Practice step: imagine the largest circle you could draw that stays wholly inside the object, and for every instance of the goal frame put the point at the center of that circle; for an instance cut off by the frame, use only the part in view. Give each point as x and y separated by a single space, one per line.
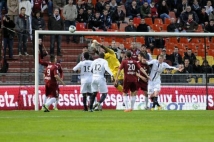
47 32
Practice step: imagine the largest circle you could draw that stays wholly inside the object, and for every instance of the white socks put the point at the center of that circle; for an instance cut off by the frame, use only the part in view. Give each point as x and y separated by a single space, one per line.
56 103
133 99
44 99
50 101
126 102
146 102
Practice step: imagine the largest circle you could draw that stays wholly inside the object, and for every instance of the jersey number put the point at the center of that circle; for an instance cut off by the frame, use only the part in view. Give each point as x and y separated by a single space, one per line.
48 72
131 67
97 67
86 68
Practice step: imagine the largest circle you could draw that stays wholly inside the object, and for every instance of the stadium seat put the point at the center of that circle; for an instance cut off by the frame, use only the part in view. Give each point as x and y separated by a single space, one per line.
183 40
173 40
194 40
167 21
80 26
119 39
136 20
169 51
201 52
202 40
155 27
154 56
172 14
148 21
200 80
127 45
192 81
158 21
200 28
122 26
140 39
164 28
156 51
114 26
211 80
211 52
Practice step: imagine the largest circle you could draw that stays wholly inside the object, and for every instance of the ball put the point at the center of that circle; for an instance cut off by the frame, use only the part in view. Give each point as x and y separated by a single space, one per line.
72 28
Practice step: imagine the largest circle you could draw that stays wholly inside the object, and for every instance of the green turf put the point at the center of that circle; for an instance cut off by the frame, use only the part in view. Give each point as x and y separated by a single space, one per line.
107 126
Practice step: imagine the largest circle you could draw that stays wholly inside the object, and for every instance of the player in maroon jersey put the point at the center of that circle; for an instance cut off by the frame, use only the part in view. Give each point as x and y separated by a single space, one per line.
51 83
142 79
59 67
130 68
134 51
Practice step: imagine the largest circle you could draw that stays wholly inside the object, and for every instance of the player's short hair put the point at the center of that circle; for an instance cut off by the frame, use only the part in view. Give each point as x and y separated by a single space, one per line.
101 55
142 55
128 54
161 56
86 55
52 58
23 8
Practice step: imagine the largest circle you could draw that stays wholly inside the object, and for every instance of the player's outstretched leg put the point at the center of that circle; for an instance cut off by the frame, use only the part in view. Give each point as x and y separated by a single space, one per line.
55 104
92 98
146 100
43 103
84 102
98 104
48 103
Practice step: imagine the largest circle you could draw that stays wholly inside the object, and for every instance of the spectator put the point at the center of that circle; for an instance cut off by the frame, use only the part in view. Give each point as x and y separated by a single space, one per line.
106 20
145 10
115 48
154 11
206 68
42 54
70 15
188 69
143 27
8 35
203 17
13 9
173 26
55 23
28 6
133 10
122 56
37 5
184 15
50 7
81 17
181 8
135 51
38 23
180 77
190 56
108 8
59 4
89 5
209 7
210 27
22 27
3 4
196 7
96 22
80 57
147 55
175 57
163 10
118 16
196 70
191 25
173 5
89 15
211 16
113 6
130 27
99 7
80 5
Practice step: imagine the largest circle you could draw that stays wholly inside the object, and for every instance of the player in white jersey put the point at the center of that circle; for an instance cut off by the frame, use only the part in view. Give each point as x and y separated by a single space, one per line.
86 77
99 67
154 85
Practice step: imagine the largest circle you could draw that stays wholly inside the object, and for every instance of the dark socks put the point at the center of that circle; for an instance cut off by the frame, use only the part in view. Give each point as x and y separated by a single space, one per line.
102 97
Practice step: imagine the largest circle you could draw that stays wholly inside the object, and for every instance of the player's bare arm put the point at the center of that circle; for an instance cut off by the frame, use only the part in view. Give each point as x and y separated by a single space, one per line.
144 72
59 79
141 77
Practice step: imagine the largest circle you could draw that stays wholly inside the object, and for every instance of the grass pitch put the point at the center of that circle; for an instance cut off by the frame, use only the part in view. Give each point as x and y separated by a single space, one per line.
107 126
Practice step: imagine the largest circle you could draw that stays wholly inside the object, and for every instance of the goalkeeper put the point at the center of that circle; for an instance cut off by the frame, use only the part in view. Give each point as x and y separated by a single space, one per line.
112 60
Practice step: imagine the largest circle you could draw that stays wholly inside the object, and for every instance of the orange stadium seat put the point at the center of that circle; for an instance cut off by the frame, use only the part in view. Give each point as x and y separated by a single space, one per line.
167 21
119 39
194 40
155 27
136 20
114 26
202 40
158 21
156 51
169 51
80 26
148 21
211 52
127 45
173 40
183 40
164 27
140 40
122 26
201 52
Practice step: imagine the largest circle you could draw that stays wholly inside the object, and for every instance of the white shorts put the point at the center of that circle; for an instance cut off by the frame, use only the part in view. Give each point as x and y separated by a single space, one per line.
153 86
85 88
99 84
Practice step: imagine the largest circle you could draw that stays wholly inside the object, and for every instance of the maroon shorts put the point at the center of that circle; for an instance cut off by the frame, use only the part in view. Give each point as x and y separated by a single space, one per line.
129 86
52 90
142 85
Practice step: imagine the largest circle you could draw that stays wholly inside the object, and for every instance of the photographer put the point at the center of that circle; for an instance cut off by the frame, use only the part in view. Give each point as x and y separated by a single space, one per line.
8 35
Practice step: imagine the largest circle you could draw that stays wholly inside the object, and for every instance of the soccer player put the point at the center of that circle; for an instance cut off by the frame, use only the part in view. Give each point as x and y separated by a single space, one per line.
86 77
113 63
51 84
130 68
60 71
134 51
142 79
98 67
154 85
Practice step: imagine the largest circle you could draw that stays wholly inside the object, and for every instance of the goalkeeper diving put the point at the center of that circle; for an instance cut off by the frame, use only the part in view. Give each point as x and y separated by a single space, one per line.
112 60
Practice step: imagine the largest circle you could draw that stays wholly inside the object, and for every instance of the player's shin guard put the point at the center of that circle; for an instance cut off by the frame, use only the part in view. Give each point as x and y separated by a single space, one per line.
92 98
84 101
103 97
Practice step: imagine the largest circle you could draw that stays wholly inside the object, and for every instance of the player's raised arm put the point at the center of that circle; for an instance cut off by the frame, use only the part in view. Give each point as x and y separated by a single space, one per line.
174 68
107 68
150 62
105 48
42 62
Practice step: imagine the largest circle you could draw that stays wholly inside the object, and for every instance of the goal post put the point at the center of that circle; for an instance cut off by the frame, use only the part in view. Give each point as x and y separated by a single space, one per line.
85 33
